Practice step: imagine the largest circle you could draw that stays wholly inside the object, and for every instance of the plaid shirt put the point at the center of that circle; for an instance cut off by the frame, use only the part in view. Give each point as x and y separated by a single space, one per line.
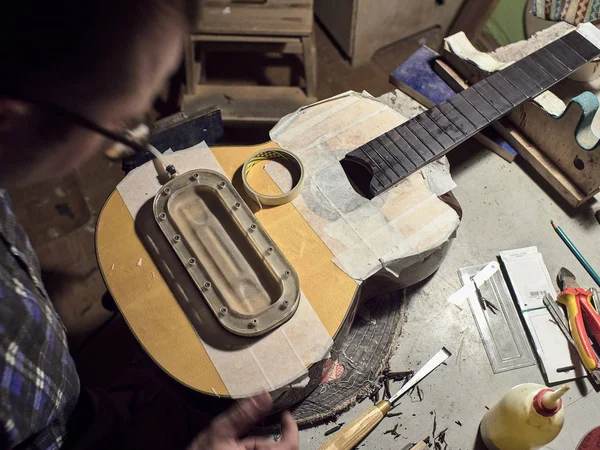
38 382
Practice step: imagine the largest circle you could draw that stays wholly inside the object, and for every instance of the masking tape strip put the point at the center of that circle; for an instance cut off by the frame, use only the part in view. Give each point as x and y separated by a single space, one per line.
273 154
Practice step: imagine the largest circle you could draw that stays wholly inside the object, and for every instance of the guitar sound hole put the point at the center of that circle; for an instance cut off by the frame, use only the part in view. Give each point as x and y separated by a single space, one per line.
359 175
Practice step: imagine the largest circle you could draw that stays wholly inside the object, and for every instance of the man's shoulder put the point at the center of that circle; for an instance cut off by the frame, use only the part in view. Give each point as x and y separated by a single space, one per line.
4 197
39 383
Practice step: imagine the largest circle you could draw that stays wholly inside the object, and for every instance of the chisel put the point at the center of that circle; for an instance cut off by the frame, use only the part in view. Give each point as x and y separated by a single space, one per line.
349 436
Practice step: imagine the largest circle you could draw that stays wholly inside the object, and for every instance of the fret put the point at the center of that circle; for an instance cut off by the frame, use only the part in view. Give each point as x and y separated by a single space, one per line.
535 73
457 118
493 96
361 154
385 180
565 54
550 64
480 104
465 108
507 90
520 80
394 150
436 132
376 185
401 151
442 121
387 156
375 152
581 45
405 151
414 142
417 129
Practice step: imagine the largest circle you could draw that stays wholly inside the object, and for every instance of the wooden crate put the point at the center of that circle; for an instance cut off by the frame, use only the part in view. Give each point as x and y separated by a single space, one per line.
248 104
256 17
361 27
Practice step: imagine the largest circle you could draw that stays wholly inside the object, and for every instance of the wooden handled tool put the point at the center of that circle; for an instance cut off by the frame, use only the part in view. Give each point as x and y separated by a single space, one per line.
349 436
420 446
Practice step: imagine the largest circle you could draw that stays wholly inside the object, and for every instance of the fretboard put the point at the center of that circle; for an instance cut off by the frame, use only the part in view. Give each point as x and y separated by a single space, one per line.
403 150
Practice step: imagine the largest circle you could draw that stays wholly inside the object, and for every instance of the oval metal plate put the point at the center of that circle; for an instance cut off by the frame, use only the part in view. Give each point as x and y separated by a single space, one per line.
245 279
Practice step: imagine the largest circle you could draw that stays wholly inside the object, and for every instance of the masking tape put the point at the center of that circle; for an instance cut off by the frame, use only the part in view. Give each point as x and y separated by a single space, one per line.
273 154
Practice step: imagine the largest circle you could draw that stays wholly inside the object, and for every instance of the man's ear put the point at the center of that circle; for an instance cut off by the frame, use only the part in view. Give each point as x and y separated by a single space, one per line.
12 113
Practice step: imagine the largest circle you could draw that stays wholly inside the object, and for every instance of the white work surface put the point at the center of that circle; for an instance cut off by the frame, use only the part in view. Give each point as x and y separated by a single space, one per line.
505 206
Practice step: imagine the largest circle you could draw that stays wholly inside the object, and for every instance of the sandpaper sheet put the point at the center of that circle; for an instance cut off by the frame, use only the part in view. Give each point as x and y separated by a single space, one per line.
365 236
276 359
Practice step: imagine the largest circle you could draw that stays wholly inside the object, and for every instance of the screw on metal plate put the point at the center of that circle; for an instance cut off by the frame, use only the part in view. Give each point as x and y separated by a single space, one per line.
162 216
223 310
192 261
171 170
253 323
222 185
206 285
176 238
270 250
167 191
286 274
237 205
195 175
284 304
252 227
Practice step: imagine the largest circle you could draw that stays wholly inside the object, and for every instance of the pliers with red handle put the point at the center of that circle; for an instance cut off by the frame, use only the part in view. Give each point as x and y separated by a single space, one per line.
581 312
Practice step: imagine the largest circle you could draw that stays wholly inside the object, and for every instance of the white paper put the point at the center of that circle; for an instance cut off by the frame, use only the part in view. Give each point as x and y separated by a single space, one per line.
529 276
552 347
530 280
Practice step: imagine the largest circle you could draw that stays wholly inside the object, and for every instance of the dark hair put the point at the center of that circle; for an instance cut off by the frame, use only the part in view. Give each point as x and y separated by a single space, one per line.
43 40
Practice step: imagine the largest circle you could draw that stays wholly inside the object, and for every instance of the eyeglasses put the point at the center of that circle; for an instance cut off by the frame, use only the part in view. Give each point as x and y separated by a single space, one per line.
121 137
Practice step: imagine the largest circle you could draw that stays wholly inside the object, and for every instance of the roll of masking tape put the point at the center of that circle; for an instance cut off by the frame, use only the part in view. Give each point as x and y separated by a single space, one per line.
290 161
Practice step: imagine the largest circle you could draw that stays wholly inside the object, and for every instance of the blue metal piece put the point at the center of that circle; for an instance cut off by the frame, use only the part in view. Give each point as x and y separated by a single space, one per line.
417 73
180 131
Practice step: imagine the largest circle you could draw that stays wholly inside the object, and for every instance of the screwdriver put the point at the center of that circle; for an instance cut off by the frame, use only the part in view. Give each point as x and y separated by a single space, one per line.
351 435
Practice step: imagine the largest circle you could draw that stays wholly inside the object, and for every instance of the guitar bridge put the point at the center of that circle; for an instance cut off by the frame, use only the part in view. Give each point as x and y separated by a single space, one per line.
249 285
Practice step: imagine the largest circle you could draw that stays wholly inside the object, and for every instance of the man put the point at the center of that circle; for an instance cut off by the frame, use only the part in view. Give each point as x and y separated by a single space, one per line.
74 72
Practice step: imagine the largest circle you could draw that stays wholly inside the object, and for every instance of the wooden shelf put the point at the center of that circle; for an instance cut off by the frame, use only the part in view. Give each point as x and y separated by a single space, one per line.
248 104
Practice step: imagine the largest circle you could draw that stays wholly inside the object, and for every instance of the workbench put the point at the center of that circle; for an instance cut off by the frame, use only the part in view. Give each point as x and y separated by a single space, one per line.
505 206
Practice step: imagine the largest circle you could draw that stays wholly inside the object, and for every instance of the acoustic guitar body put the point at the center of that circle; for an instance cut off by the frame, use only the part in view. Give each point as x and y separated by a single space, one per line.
151 287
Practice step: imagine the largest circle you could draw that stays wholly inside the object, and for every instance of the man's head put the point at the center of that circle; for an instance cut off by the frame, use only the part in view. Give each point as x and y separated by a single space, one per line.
105 60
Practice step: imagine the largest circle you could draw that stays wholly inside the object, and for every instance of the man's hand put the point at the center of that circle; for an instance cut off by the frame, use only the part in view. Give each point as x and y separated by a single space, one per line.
224 433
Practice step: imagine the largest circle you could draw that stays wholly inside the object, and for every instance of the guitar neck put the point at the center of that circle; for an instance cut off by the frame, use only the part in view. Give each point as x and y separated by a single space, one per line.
403 150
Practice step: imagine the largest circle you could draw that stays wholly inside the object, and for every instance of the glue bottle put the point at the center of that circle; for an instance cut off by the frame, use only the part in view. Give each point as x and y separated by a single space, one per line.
528 417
